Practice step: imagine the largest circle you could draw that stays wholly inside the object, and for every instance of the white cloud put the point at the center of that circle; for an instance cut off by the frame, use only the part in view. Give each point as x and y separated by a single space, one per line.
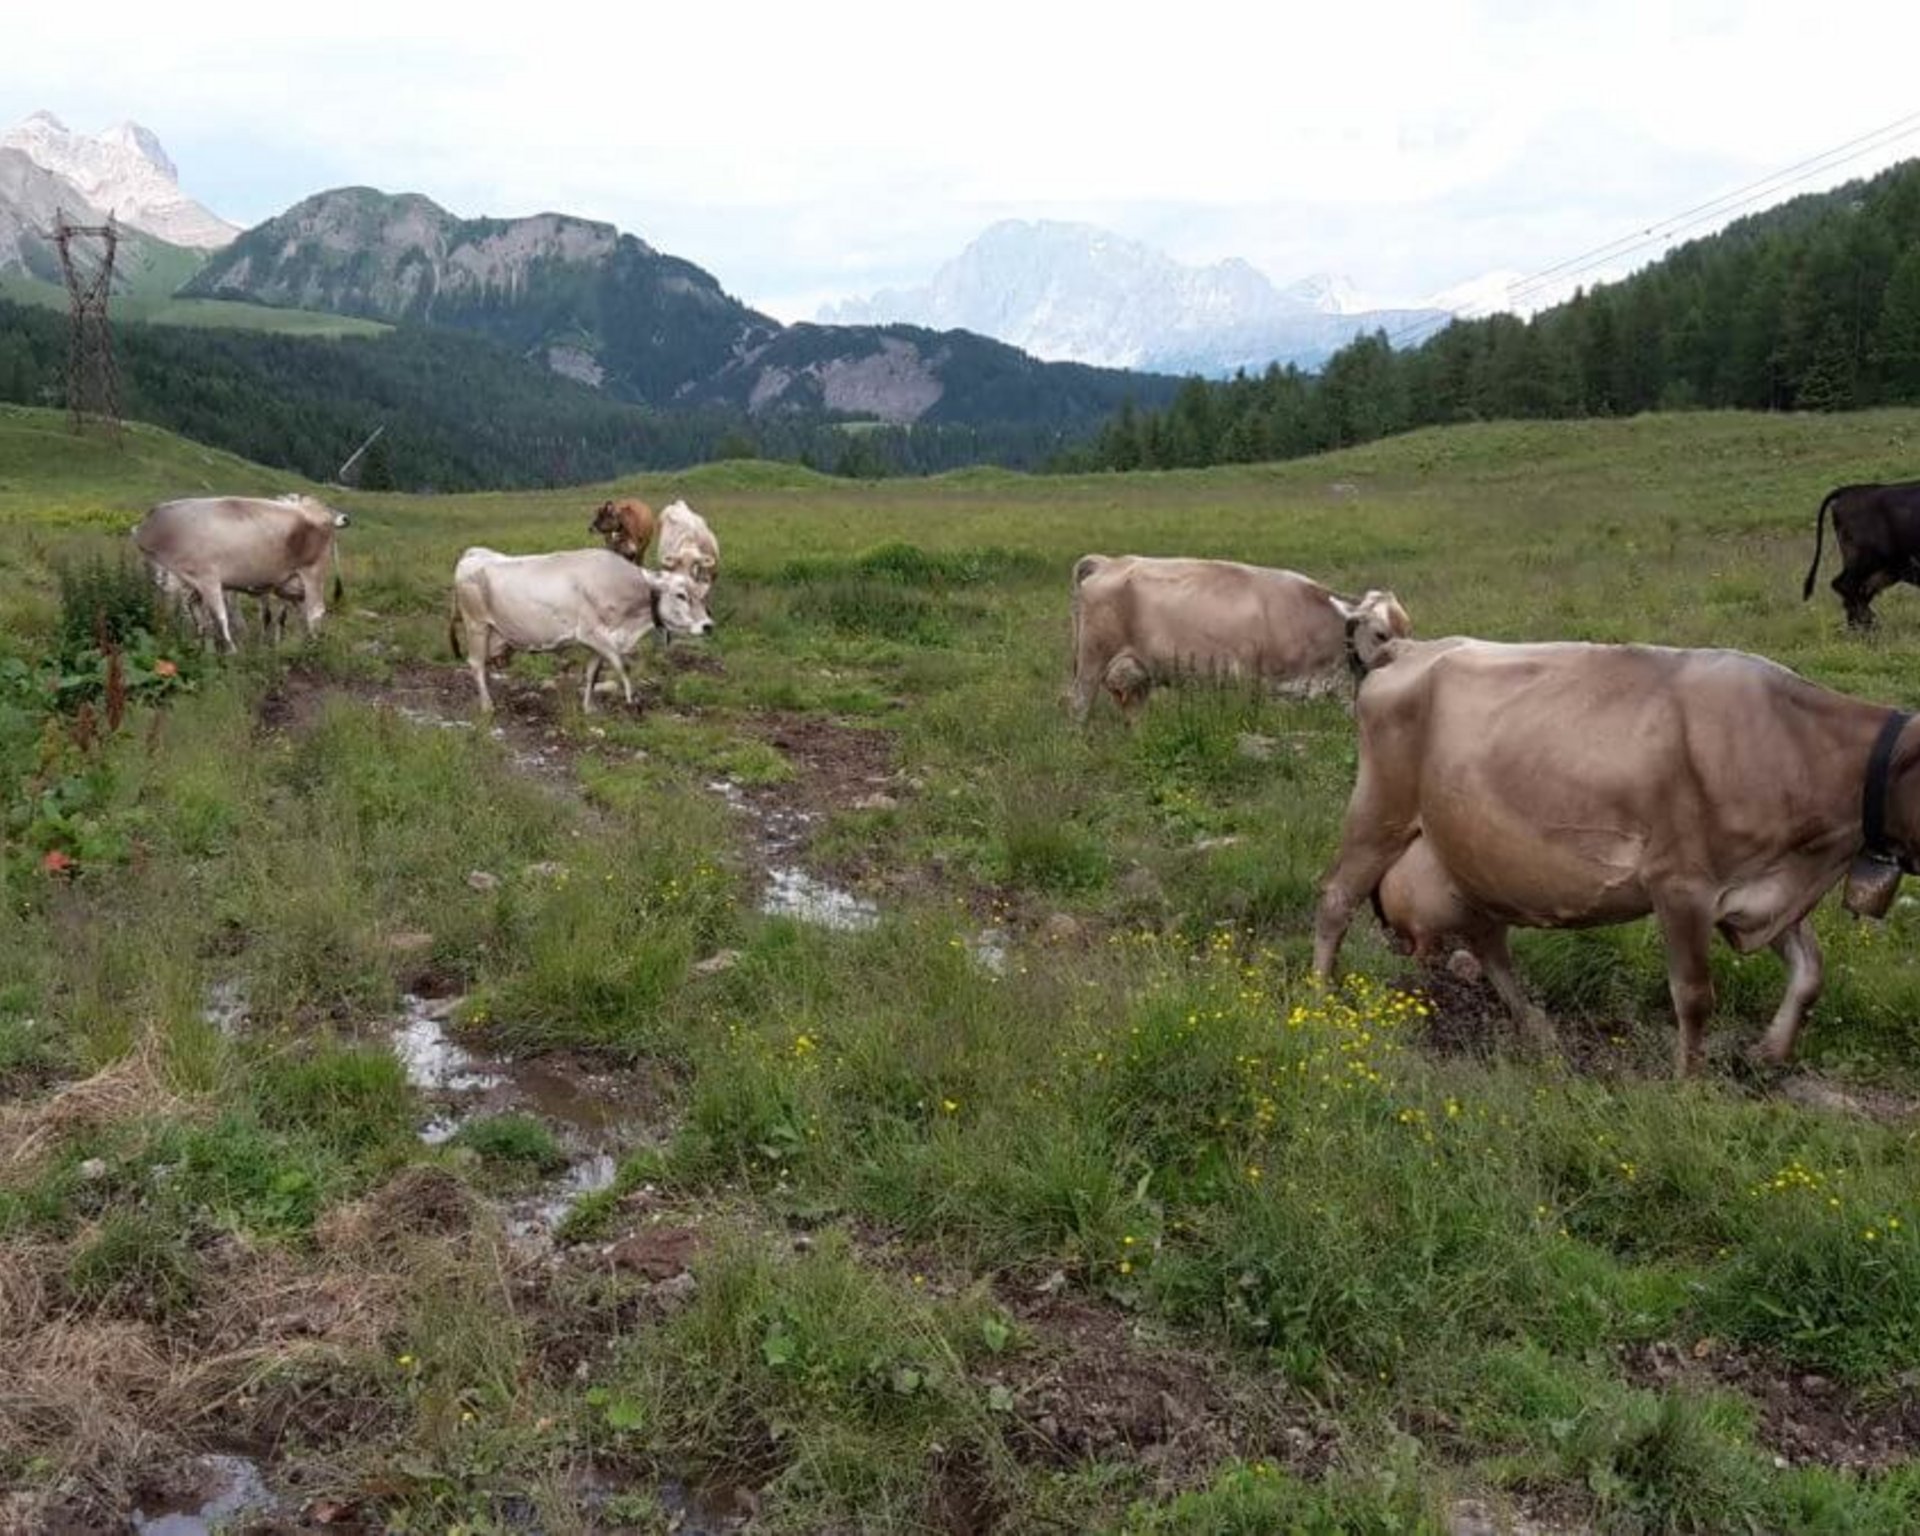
810 151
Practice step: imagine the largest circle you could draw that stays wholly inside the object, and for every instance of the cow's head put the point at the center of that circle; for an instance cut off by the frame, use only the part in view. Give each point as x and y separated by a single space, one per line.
1372 622
606 521
677 605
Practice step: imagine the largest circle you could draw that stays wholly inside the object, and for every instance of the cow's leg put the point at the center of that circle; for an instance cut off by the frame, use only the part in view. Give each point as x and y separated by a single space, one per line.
1089 668
1798 947
1688 931
214 598
479 640
1372 839
619 665
593 676
1858 585
1490 948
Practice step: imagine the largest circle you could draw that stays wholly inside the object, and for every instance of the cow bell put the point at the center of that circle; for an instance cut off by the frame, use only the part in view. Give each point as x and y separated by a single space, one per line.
1871 883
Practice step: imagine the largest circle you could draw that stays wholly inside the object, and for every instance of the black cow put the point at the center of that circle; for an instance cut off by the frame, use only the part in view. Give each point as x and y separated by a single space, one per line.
1878 530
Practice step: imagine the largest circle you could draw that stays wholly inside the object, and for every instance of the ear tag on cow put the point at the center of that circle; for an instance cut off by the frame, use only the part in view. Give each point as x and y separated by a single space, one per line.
1871 883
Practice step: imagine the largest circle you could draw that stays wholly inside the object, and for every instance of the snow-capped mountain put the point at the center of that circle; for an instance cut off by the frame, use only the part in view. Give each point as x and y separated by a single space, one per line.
1509 292
1080 293
122 171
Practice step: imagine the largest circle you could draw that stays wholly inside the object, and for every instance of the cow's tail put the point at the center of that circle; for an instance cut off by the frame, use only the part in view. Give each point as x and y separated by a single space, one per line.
1819 537
339 586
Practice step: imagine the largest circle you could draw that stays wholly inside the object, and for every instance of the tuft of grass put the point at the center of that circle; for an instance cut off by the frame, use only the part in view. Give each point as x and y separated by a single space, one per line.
349 1097
515 1141
134 1264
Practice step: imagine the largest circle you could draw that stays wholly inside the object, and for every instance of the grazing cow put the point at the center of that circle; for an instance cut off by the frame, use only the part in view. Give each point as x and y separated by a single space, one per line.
209 545
626 526
588 597
687 545
1878 530
1572 785
1138 621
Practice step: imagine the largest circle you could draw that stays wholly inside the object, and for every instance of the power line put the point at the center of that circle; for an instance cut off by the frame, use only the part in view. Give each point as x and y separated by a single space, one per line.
1665 230
1712 207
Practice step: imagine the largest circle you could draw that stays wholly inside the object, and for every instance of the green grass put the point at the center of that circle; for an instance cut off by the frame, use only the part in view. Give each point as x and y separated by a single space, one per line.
151 300
1299 1188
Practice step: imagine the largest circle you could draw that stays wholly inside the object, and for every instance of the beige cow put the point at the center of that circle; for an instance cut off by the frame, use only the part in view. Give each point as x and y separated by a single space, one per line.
1572 785
1138 621
587 597
687 545
207 546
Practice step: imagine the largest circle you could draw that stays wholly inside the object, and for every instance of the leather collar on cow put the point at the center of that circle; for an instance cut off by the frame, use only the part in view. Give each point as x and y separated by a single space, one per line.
1873 797
653 602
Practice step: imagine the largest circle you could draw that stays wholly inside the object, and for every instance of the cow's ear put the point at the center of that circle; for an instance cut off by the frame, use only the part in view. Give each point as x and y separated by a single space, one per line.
1345 609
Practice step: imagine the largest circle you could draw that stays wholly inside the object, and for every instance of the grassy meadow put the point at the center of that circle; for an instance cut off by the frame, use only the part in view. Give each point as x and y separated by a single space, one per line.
1046 1196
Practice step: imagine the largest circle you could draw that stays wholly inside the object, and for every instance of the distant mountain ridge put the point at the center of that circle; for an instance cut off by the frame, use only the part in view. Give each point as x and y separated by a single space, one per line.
607 309
1082 293
30 198
124 172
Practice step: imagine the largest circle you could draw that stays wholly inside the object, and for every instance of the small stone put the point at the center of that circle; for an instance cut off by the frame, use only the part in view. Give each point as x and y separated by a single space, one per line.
1062 928
878 801
1053 1284
94 1169
714 964
481 880
547 869
1140 887
1462 964
675 1291
1214 844
659 1253
1815 1386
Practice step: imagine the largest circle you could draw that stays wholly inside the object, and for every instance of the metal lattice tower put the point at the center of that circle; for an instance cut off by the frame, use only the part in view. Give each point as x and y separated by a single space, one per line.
93 379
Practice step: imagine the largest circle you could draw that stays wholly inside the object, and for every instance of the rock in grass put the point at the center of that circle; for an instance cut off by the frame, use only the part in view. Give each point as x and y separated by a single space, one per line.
482 880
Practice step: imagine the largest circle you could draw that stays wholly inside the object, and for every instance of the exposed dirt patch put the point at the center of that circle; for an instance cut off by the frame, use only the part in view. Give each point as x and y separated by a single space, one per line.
836 764
1805 1417
1093 1386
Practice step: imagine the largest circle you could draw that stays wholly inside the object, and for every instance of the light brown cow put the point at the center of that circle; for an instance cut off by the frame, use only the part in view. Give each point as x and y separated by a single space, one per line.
585 597
627 527
1572 785
209 545
687 545
1138 621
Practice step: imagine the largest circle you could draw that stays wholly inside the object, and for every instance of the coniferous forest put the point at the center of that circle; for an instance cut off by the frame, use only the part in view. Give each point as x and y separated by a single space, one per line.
1814 305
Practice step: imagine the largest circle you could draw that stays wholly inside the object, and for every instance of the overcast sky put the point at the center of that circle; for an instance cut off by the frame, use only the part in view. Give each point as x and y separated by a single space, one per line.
805 152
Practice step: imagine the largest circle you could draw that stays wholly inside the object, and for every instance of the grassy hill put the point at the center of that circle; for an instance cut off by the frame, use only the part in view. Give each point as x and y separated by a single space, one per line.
1057 1198
157 305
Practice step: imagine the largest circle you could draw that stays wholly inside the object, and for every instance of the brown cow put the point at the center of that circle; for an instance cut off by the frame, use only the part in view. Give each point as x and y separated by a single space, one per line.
1138 621
626 526
1572 785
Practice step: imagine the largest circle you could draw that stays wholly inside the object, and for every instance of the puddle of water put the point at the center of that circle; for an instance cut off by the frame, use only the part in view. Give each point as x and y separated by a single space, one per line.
543 1212
231 1487
795 893
432 1061
428 718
